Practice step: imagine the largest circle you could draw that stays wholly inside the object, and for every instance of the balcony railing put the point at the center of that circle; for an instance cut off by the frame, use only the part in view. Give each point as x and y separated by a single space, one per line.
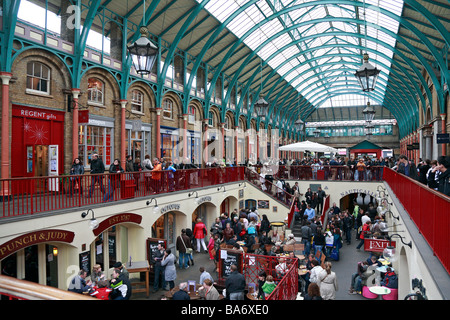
428 209
25 196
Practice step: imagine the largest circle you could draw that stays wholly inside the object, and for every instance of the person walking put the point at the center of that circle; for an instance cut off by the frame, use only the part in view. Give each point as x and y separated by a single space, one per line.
75 182
199 234
328 283
183 245
97 167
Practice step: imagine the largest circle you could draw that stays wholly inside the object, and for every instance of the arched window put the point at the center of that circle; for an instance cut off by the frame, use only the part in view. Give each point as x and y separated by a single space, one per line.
168 109
211 119
137 101
38 77
96 91
191 115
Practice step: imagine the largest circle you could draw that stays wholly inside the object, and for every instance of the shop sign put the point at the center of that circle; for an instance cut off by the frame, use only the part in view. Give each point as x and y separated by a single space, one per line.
204 199
170 207
352 191
29 239
117 219
376 245
34 113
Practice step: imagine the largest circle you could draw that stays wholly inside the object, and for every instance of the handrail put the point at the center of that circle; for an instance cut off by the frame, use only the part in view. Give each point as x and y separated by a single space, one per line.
428 209
25 196
27 290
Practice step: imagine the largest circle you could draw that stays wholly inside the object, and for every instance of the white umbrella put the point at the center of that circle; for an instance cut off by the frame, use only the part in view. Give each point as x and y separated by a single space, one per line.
307 146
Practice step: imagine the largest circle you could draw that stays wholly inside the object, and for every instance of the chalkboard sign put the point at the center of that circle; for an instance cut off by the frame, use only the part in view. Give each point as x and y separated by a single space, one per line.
228 257
85 261
152 246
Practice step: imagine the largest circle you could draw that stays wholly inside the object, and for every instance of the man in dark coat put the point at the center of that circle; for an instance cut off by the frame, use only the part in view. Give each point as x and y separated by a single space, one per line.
235 284
182 294
97 166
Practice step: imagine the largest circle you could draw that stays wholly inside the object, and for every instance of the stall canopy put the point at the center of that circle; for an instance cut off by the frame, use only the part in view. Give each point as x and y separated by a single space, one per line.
307 146
366 148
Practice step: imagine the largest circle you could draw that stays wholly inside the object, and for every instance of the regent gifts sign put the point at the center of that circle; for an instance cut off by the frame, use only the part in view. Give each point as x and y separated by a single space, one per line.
376 245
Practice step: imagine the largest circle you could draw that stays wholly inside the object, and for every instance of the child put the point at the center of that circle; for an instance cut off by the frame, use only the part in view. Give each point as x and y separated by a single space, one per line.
102 291
269 285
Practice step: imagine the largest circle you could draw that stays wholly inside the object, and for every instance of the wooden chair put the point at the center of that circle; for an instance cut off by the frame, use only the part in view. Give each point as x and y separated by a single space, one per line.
299 247
288 248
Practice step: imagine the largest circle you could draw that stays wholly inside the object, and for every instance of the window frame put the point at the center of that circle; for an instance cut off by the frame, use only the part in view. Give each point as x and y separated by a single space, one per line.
96 90
167 103
136 102
40 78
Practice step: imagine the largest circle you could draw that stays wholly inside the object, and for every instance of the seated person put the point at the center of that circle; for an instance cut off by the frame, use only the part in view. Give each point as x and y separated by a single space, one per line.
261 281
237 247
390 279
373 260
264 239
182 294
101 291
358 277
268 286
208 291
290 240
281 268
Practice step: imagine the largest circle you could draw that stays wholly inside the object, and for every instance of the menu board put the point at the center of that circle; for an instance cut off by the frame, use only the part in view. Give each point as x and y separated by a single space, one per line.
85 261
152 246
227 258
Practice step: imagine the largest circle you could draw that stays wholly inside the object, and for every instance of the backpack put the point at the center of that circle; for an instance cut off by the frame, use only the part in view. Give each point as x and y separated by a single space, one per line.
251 230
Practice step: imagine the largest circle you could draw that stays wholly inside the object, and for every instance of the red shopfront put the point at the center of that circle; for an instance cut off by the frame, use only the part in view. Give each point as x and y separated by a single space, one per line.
35 133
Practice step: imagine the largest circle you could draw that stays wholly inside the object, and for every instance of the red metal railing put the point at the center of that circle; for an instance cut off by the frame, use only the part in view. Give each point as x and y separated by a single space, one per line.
428 209
24 196
268 187
287 281
327 172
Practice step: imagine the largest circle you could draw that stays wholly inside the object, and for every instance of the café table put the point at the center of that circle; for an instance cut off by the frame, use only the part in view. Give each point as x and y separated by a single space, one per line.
380 291
277 224
140 266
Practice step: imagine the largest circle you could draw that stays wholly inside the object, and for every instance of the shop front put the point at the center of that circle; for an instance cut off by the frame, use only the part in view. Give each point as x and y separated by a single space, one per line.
37 141
34 256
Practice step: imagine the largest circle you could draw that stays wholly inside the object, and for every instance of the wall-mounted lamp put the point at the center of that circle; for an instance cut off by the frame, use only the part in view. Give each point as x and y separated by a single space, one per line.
224 191
196 196
383 205
93 223
389 253
55 251
392 215
243 183
155 208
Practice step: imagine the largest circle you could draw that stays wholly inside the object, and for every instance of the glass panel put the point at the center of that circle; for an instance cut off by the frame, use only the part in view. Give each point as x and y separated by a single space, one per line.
31 264
112 247
51 265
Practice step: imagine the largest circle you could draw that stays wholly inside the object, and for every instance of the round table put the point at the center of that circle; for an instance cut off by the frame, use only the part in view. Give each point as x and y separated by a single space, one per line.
380 291
278 224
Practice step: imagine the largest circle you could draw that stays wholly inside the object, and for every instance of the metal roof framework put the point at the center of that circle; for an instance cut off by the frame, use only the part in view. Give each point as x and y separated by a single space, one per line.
299 54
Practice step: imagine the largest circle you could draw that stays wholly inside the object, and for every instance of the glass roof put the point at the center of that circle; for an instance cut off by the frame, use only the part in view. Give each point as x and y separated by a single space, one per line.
317 58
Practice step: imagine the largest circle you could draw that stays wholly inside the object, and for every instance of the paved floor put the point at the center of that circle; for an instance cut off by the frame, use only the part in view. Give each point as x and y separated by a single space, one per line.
344 268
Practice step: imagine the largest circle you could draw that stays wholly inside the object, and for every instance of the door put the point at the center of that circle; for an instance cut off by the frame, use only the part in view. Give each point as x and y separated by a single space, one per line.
40 161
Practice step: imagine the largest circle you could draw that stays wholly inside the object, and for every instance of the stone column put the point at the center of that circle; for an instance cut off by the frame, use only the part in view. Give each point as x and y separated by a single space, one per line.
6 162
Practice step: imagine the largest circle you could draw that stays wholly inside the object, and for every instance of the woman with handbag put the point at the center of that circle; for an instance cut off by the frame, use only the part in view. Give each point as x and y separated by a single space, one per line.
328 283
183 245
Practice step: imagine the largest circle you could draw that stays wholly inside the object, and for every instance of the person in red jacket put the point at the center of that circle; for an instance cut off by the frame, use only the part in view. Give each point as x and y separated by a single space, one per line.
199 234
102 291
365 233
